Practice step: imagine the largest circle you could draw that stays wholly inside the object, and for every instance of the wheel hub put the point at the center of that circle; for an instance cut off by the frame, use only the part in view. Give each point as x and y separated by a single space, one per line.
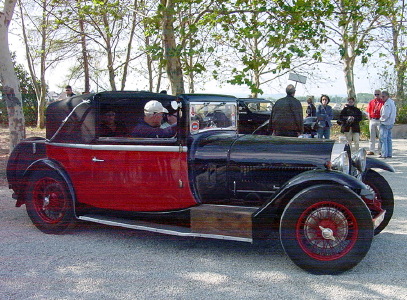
327 233
326 224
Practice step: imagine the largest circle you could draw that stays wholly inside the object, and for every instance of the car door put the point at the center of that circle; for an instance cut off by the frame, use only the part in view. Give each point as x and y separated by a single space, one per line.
140 177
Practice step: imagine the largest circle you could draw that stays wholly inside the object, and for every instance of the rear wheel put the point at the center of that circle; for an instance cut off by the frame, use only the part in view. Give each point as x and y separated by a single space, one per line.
383 199
326 229
49 202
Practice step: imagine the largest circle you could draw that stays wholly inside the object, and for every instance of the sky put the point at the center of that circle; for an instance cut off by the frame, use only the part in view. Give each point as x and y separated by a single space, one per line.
333 84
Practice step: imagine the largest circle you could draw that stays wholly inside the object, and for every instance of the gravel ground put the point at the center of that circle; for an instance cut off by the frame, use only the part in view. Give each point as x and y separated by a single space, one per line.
100 262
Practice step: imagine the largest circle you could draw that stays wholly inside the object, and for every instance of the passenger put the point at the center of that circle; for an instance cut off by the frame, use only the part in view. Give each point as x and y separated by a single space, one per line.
110 127
149 126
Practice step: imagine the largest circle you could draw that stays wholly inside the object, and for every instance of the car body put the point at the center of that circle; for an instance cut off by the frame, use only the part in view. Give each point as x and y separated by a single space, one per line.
207 180
253 112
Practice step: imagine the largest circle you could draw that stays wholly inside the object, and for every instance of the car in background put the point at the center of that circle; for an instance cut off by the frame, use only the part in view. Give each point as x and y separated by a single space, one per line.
253 112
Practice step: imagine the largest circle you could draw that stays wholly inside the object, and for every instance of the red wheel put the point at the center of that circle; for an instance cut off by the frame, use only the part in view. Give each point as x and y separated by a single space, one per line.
326 229
49 203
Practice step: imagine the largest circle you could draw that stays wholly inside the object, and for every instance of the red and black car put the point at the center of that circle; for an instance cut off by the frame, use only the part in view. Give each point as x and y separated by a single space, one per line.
207 180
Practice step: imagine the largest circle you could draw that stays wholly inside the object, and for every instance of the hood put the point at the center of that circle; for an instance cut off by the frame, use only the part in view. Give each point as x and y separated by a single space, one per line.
284 151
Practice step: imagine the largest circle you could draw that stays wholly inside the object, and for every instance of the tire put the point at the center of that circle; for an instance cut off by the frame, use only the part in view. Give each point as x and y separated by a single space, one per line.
383 196
326 229
49 203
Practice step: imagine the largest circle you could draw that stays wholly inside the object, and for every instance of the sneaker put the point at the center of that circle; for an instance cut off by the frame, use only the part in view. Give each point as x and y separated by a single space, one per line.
370 153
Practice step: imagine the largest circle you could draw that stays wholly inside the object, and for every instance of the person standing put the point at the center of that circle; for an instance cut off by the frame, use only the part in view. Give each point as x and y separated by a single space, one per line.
387 120
324 117
311 109
68 93
373 111
350 117
287 115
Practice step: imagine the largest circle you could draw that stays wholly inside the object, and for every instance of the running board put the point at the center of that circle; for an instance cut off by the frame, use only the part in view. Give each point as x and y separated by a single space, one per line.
158 228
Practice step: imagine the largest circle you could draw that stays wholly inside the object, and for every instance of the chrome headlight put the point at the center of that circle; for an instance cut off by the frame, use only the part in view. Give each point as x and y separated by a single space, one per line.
341 163
359 160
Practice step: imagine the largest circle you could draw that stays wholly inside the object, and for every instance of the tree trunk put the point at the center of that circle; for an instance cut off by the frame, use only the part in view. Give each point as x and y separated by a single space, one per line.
84 54
172 57
349 76
109 51
128 52
9 80
400 64
41 96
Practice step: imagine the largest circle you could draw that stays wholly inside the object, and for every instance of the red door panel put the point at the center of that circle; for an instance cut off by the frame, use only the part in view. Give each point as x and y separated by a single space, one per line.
132 178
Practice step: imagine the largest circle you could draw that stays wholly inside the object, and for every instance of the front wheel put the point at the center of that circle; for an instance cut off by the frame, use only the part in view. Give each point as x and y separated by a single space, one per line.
326 229
49 202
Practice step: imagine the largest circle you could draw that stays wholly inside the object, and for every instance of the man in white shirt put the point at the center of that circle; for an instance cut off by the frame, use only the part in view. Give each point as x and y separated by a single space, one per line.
387 120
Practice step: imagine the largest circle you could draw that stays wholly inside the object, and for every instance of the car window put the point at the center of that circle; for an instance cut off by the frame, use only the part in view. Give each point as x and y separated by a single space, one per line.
212 115
259 106
122 121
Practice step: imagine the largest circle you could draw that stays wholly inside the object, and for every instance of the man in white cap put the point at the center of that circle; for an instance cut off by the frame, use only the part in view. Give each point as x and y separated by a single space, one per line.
149 126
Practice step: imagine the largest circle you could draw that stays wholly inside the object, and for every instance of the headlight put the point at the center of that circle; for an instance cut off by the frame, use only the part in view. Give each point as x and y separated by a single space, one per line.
359 160
341 163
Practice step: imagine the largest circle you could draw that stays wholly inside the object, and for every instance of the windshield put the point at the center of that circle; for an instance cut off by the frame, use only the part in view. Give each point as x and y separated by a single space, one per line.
259 106
212 115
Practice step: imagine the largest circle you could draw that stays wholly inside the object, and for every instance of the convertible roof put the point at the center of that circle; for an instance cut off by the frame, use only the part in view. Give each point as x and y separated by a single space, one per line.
114 96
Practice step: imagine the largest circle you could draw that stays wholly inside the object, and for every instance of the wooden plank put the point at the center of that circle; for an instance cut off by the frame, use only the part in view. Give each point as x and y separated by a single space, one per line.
222 220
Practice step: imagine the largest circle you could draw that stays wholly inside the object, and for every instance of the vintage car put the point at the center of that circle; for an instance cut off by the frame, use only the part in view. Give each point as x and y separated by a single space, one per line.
253 112
205 181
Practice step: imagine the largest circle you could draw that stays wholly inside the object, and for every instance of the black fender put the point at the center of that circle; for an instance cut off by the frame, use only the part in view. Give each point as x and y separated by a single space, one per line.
372 163
46 164
268 216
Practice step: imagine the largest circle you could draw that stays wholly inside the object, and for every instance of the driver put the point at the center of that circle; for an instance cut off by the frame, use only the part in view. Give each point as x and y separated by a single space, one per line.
149 126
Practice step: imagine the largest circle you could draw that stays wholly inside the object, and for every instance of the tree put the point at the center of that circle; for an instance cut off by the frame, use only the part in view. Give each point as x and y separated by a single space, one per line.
352 28
11 88
45 45
271 38
171 49
399 48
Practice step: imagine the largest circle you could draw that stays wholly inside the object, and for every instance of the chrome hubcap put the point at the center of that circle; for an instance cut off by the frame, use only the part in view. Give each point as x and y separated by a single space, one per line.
327 233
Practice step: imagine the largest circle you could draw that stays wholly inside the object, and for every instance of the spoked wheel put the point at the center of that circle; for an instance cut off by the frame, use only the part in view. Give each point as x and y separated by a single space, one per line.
383 199
326 229
49 203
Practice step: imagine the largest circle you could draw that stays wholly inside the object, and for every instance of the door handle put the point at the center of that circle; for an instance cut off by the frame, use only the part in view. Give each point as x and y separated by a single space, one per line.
94 159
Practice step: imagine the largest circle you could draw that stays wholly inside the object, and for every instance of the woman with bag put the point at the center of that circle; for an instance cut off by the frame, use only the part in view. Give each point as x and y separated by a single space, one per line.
350 117
324 117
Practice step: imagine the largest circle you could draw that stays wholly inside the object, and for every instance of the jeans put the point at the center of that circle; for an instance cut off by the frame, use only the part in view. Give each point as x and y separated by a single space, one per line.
385 140
324 132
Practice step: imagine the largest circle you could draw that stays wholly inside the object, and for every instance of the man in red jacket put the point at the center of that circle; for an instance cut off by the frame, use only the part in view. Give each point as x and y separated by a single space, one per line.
373 110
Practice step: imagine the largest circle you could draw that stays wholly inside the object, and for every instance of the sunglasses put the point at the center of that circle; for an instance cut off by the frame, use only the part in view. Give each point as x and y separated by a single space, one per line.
377 94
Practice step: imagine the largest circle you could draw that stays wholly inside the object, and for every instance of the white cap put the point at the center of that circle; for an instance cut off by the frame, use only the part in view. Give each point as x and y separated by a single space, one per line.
154 106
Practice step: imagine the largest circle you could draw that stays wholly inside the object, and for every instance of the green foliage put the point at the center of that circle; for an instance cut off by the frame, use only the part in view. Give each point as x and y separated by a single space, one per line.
401 117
